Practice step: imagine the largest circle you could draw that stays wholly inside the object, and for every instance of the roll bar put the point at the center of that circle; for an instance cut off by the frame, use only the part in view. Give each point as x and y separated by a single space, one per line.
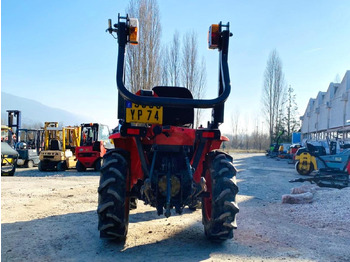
224 79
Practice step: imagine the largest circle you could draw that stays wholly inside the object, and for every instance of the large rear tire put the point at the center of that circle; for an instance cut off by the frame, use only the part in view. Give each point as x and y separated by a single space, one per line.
220 208
113 204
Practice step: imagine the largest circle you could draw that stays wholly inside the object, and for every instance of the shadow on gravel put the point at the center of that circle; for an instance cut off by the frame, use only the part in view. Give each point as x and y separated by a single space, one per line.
262 234
136 216
34 172
74 237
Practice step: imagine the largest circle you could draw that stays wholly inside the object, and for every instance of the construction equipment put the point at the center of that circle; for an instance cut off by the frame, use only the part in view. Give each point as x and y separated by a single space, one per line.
273 151
14 123
8 159
29 144
93 143
159 159
9 133
59 150
5 130
334 180
312 158
283 151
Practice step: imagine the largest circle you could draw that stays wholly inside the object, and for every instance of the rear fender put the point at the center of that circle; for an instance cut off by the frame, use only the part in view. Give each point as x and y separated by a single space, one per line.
129 144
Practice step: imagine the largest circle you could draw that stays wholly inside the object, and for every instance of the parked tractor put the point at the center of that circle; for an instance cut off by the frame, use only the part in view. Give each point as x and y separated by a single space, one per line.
93 144
159 158
59 150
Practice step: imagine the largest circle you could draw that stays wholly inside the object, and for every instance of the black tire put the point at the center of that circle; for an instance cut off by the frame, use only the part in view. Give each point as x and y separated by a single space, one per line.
113 204
61 166
12 172
80 167
304 172
30 164
98 164
10 169
220 209
41 167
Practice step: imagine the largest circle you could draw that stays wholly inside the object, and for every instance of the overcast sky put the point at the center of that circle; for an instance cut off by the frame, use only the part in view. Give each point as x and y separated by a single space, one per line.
57 52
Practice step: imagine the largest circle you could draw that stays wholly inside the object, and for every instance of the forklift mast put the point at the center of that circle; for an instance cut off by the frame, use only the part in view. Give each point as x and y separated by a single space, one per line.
14 121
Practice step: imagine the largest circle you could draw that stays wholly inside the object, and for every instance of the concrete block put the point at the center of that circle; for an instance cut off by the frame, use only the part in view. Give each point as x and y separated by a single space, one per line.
303 198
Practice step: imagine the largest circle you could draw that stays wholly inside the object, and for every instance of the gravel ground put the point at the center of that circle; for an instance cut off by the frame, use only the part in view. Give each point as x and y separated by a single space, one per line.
51 216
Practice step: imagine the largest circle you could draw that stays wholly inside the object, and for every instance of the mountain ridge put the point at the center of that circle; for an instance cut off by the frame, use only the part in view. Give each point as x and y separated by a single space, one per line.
34 112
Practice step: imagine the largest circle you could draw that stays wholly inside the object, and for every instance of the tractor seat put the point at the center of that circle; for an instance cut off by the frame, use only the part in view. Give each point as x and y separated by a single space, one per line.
172 115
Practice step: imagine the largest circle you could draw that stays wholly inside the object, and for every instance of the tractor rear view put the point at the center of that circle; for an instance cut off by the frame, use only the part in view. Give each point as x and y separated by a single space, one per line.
159 158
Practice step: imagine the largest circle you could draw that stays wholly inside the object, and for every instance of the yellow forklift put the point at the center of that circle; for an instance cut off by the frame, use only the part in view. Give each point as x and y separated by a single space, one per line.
59 148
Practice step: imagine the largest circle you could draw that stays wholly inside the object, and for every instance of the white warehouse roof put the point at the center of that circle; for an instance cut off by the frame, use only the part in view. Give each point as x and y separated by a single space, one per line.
329 110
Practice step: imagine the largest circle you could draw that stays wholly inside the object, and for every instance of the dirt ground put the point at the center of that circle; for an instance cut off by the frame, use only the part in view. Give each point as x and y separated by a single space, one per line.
52 216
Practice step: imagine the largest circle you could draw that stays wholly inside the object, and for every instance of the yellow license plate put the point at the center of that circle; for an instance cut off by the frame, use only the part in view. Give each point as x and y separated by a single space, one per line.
143 114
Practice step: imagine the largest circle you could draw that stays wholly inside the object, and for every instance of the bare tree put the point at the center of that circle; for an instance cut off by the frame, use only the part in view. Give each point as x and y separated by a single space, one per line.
174 60
189 62
193 73
256 136
273 91
165 78
143 69
200 90
234 123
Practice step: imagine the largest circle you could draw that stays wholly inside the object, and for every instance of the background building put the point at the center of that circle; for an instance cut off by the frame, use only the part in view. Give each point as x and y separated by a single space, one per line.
328 115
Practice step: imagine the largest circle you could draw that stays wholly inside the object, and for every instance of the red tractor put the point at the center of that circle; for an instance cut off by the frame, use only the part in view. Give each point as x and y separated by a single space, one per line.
94 139
159 159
